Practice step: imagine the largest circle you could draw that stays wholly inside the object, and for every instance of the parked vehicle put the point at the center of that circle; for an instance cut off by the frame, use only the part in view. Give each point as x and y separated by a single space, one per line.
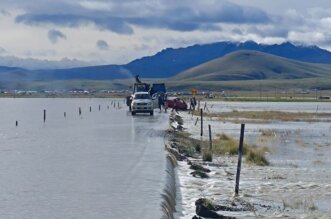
176 103
154 90
142 103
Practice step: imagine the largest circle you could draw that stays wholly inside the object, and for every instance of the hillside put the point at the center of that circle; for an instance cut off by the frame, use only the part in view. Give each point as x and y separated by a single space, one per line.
253 65
170 62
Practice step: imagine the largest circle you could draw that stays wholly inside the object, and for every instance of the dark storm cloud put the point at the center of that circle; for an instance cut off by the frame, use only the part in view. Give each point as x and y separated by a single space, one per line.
69 20
102 45
179 16
54 36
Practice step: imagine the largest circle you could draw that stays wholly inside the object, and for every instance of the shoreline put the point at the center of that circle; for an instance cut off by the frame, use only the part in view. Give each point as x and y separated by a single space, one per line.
271 191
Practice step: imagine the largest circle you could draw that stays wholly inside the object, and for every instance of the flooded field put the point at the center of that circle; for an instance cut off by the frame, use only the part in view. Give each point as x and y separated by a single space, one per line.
100 164
297 184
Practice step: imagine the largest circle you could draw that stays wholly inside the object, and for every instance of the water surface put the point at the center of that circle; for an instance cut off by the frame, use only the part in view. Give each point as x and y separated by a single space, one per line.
102 164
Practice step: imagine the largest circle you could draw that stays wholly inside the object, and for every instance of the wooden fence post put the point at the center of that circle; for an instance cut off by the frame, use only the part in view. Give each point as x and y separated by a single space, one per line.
240 153
201 118
210 139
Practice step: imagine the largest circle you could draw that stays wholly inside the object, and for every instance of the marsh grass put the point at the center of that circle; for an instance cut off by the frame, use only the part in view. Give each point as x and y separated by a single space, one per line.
263 116
207 155
224 144
267 132
257 156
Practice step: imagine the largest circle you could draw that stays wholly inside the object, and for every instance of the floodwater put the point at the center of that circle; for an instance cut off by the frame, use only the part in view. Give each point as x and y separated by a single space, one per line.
100 164
309 107
297 184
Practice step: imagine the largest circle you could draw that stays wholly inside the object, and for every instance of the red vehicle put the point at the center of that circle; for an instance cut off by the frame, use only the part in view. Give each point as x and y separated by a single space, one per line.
177 103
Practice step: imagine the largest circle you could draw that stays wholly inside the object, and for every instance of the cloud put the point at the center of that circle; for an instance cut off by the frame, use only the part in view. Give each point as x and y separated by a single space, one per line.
2 50
237 31
68 20
118 16
54 36
5 13
102 45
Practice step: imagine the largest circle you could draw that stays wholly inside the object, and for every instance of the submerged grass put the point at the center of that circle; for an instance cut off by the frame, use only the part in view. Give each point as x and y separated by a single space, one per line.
271 115
224 144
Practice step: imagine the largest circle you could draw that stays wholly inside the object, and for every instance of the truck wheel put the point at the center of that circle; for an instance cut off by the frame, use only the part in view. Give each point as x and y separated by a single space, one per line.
152 113
133 113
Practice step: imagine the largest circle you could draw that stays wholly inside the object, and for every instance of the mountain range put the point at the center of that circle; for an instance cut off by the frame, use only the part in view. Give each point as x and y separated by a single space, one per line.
215 61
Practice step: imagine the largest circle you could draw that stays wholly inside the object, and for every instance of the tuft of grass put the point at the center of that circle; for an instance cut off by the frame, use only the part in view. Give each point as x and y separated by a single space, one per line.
224 144
267 132
207 156
198 148
256 156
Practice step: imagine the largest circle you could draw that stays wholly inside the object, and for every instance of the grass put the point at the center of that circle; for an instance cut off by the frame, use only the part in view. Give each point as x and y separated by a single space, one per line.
256 156
224 144
188 146
267 132
270 116
207 156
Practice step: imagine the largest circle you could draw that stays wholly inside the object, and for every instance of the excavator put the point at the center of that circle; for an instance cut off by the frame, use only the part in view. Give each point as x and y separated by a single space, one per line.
154 90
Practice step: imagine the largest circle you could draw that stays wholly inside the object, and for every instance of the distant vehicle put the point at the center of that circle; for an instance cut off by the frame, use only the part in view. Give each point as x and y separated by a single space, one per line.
176 102
154 90
142 103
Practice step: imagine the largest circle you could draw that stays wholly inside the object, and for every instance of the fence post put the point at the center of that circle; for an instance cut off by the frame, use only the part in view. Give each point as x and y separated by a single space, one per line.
210 140
90 109
80 111
240 153
44 115
16 123
201 118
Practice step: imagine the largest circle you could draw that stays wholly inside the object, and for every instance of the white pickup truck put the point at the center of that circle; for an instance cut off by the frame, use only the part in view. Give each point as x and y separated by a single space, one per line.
142 103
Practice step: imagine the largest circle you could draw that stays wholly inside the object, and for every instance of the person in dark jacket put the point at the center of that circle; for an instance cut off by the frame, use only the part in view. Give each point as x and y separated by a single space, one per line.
161 101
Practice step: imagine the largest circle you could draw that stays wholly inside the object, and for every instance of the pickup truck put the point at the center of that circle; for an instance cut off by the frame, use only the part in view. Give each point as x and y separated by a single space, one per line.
142 103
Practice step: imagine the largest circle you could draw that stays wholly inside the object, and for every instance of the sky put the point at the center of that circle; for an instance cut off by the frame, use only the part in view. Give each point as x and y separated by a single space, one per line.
119 31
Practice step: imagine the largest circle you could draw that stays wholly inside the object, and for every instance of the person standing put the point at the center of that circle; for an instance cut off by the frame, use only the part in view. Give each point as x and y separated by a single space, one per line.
161 101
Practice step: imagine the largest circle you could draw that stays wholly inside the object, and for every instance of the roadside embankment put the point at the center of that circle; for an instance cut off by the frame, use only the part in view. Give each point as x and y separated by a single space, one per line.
279 177
195 162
